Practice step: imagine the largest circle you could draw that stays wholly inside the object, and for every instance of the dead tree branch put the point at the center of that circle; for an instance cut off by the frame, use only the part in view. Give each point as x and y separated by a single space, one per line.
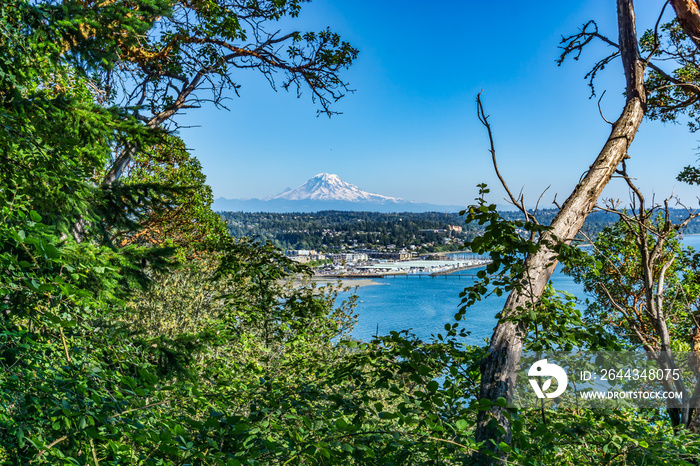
498 369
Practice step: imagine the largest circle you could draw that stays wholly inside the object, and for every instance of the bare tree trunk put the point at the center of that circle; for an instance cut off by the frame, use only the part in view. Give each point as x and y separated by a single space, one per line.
688 16
654 296
119 165
498 368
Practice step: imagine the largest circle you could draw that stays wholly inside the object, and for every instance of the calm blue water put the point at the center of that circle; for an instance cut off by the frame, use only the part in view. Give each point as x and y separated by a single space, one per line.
426 304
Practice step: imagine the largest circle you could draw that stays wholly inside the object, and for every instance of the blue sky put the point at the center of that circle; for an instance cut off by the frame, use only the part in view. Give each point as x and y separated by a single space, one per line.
410 130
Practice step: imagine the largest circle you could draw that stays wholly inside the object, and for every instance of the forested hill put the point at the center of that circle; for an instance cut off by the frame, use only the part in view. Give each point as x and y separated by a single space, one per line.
337 229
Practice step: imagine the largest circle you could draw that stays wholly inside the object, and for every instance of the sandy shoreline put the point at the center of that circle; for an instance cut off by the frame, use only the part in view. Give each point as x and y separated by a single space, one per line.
352 282
344 282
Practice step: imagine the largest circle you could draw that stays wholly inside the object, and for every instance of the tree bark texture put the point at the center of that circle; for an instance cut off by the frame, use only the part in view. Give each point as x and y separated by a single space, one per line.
498 369
688 16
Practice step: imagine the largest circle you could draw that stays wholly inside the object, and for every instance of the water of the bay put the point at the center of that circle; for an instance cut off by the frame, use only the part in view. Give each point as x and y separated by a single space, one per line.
426 304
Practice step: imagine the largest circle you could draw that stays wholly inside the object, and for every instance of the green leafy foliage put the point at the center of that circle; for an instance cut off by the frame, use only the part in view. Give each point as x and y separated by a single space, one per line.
178 212
615 275
112 353
507 243
555 322
619 437
672 94
133 330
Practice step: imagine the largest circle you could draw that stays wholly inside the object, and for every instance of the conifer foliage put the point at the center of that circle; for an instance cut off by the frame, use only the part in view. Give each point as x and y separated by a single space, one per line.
134 330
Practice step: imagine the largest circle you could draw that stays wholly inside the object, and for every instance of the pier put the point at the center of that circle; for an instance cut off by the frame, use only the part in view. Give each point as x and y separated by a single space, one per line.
411 268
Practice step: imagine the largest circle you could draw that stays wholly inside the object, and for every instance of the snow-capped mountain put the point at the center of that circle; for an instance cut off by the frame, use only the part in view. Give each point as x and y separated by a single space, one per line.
328 187
327 192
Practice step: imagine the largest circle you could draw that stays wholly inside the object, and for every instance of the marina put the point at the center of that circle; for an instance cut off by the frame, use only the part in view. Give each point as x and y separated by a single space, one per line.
407 268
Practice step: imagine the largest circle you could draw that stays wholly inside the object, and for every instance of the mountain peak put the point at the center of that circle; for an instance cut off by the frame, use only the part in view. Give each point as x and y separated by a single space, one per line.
328 176
326 191
329 187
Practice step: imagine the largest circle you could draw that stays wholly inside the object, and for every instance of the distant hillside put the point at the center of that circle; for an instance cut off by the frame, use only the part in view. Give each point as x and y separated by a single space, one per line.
329 230
289 206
